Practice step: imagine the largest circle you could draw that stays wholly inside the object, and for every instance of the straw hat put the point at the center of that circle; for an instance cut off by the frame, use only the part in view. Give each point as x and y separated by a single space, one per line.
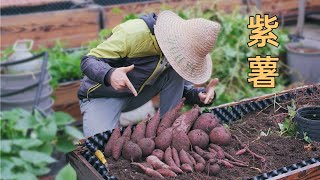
186 44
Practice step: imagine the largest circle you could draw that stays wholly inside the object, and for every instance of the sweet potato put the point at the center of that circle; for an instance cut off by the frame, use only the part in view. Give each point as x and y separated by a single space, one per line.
131 151
219 150
198 158
199 138
199 167
140 131
158 153
117 147
169 161
206 122
156 163
166 173
163 141
212 169
209 155
227 164
180 141
192 159
149 171
127 132
200 151
184 158
186 168
145 164
152 126
175 157
185 121
147 145
220 135
169 117
114 136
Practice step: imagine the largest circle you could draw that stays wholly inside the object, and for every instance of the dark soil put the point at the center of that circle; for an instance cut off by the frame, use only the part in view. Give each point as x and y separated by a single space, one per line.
278 150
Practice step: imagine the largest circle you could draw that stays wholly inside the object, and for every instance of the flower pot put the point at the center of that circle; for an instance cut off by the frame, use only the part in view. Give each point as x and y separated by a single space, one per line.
22 93
308 121
66 99
304 60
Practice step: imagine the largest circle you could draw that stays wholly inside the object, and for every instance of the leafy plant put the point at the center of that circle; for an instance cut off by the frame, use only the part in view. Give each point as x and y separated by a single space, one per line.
306 138
63 65
6 53
288 127
29 139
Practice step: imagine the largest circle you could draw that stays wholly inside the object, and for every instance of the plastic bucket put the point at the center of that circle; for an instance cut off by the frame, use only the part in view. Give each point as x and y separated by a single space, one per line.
308 122
304 61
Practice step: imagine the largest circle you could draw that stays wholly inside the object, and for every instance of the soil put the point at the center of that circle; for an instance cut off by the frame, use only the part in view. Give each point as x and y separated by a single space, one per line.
278 150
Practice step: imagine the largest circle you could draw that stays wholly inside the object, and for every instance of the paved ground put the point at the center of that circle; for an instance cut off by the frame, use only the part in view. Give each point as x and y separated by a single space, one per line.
310 31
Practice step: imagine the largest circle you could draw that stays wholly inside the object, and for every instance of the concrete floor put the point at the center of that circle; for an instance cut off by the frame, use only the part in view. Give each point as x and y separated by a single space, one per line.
311 32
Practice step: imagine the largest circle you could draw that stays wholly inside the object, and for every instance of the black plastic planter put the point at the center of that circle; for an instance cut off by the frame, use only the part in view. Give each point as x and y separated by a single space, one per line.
227 113
308 122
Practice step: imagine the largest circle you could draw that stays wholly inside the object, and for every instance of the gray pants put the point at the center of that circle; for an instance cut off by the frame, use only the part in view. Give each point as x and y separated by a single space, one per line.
102 114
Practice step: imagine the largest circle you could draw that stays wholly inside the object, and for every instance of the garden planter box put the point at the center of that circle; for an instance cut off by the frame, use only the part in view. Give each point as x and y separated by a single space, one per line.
75 27
66 99
88 166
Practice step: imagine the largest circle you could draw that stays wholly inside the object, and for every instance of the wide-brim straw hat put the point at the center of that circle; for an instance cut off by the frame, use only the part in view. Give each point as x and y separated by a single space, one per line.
186 44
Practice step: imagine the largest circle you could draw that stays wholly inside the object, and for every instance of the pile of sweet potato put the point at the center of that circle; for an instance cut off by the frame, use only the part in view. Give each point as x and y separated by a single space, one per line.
175 144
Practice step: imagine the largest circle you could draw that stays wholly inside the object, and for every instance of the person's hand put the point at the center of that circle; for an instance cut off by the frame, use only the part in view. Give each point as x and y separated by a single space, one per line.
207 97
119 80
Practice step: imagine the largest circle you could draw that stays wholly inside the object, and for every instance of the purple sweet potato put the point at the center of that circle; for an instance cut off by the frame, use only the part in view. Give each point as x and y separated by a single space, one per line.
152 126
166 173
114 136
185 121
158 153
199 167
140 131
192 159
169 160
220 135
163 141
184 158
147 145
206 122
198 158
117 147
199 138
212 169
169 117
175 156
127 132
180 141
156 163
149 171
200 151
131 151
186 168
219 150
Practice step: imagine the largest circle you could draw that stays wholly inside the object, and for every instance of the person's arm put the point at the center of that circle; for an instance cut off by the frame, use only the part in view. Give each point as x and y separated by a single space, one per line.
191 94
112 49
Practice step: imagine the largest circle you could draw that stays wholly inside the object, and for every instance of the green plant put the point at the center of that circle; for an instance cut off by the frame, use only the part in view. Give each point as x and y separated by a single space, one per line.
6 53
288 127
306 138
63 65
29 139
